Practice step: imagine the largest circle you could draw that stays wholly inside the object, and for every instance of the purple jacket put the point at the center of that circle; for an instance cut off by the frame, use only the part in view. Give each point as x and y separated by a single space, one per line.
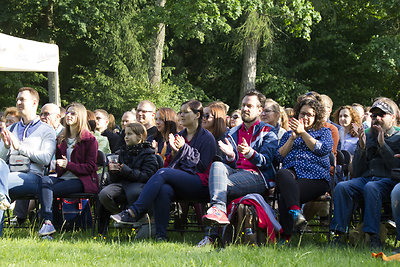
83 161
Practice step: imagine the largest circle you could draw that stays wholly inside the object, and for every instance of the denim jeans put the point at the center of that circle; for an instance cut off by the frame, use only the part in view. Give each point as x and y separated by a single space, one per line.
373 190
395 199
4 172
162 187
55 187
225 181
21 184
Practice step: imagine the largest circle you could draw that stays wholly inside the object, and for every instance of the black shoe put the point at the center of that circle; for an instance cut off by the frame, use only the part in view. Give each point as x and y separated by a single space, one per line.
124 217
298 218
375 242
338 239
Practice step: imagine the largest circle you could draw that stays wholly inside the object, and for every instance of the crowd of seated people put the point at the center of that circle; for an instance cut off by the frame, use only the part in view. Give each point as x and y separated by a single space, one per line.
207 155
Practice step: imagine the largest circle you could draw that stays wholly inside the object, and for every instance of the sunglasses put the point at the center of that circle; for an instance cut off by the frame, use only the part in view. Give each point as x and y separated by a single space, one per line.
207 116
374 115
235 117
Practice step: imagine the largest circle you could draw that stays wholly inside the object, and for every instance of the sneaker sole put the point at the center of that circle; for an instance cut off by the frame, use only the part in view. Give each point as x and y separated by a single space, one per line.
210 222
121 222
47 233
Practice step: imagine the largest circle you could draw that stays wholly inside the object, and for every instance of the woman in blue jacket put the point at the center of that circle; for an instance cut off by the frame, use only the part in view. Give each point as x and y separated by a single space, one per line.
186 174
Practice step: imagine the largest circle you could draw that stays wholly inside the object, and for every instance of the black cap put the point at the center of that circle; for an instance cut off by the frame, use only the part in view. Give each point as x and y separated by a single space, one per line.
382 106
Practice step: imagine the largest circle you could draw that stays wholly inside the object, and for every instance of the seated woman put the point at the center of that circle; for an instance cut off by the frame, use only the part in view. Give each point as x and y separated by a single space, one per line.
76 156
214 120
136 164
235 118
304 152
11 116
346 116
186 174
166 123
272 115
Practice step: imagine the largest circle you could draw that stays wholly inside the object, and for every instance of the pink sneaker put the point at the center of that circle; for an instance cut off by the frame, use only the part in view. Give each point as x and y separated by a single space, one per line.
215 216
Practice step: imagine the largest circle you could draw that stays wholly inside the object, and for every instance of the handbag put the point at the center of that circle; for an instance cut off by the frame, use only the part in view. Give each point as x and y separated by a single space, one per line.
18 162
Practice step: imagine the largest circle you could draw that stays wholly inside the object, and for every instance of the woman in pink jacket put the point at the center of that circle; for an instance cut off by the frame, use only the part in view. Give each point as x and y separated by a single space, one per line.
76 167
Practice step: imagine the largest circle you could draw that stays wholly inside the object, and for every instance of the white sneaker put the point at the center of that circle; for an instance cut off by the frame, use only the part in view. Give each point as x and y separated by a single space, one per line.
4 203
205 241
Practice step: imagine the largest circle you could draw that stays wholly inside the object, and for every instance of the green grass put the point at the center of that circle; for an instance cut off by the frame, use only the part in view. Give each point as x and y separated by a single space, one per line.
22 247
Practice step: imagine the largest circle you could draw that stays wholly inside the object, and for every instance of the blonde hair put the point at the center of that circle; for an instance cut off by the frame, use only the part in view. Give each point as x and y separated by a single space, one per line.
81 114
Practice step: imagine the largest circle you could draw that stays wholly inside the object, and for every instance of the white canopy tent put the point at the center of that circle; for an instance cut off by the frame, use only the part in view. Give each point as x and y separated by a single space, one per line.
17 54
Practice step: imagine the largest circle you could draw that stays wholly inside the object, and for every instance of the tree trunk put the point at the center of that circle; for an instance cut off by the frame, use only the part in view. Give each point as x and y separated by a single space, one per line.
249 68
156 52
52 77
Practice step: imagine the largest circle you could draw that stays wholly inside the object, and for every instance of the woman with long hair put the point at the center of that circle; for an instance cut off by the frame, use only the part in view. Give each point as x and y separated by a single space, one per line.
348 117
304 153
272 115
186 174
76 156
166 123
214 120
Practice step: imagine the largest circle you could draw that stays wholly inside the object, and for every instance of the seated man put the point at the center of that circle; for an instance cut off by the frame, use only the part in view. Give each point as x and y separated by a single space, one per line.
32 139
372 164
249 150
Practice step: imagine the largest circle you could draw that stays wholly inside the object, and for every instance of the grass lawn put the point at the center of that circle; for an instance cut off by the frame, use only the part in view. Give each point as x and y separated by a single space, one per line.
22 247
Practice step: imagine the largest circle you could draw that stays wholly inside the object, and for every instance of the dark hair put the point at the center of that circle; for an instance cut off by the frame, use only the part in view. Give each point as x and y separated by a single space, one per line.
260 96
318 108
170 119
196 107
218 111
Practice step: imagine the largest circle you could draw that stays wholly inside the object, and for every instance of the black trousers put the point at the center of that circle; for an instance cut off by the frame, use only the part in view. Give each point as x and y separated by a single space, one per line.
294 191
115 197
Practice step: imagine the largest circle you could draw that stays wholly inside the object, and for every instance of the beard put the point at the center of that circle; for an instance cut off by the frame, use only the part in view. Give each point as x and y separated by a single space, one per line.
248 118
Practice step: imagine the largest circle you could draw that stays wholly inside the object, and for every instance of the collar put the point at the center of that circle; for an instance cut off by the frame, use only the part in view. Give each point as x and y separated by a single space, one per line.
251 128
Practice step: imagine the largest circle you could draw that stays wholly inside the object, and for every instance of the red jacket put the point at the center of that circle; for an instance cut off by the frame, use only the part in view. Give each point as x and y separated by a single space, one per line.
83 161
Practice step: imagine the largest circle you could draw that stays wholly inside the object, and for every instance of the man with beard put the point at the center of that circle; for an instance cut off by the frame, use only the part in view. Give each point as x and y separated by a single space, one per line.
249 150
372 164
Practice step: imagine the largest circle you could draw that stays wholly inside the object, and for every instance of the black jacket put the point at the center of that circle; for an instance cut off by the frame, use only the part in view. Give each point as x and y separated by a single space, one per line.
139 163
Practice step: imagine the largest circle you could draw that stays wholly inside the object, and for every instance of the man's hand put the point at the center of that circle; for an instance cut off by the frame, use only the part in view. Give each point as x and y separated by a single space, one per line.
10 139
381 134
227 148
362 139
244 148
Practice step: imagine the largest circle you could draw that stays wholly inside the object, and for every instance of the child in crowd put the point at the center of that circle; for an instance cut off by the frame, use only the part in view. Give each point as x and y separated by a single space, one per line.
137 162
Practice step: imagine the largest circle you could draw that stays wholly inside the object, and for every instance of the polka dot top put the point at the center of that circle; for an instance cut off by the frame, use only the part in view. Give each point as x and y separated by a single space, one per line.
309 164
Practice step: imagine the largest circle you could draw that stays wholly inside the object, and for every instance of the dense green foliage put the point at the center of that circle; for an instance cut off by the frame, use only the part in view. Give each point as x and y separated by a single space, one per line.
352 54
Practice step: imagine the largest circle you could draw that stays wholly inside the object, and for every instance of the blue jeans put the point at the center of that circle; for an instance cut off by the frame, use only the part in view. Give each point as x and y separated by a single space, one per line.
395 199
4 172
21 184
372 190
56 187
225 181
162 187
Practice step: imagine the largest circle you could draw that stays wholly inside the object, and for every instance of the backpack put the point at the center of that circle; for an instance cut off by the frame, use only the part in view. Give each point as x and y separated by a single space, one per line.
74 214
252 222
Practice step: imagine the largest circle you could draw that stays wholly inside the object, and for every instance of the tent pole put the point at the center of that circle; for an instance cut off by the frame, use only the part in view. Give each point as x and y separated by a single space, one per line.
54 90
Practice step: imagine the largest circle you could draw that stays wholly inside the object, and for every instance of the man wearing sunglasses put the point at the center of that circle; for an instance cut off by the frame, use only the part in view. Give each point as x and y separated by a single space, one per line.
372 165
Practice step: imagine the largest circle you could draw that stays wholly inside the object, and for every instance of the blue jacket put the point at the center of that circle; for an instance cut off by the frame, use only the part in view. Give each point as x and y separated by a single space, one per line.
264 143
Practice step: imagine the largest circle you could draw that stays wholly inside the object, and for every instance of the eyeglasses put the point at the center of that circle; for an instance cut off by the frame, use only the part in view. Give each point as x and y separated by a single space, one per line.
45 114
268 111
374 115
235 117
207 116
304 114
143 111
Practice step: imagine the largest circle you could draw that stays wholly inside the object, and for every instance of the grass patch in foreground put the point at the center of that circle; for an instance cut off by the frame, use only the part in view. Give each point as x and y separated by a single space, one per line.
23 247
